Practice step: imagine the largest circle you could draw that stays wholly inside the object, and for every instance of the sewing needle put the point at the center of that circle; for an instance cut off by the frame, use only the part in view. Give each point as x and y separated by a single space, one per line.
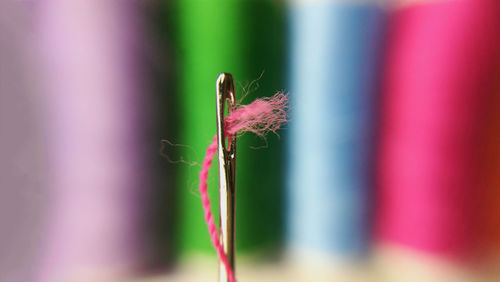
225 95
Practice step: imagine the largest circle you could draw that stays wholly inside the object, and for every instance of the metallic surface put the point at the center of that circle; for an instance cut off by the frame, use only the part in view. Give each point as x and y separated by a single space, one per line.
227 171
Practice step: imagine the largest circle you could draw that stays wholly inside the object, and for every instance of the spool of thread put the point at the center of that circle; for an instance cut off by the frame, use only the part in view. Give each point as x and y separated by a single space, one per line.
438 76
23 170
243 38
489 220
96 169
333 84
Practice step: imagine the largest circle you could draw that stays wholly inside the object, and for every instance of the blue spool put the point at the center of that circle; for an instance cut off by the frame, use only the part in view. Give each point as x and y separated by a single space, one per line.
334 61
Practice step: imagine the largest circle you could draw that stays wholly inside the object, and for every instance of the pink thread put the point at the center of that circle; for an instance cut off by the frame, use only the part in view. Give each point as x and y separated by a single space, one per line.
259 117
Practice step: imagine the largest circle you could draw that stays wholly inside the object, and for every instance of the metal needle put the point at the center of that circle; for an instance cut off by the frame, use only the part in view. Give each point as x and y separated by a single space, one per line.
227 171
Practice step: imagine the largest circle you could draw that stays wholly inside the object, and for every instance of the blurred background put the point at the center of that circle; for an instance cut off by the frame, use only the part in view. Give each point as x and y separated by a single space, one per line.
389 169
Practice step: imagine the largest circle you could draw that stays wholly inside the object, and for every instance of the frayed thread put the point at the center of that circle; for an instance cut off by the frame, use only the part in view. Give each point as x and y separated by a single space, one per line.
260 117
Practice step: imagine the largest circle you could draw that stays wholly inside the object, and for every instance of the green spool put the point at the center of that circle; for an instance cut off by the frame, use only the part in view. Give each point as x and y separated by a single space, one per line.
244 38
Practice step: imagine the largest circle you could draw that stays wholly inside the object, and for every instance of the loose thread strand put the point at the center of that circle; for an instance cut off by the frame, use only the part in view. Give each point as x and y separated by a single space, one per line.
209 218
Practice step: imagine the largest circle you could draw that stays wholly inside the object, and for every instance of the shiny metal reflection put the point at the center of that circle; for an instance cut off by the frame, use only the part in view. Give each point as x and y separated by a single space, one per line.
227 171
